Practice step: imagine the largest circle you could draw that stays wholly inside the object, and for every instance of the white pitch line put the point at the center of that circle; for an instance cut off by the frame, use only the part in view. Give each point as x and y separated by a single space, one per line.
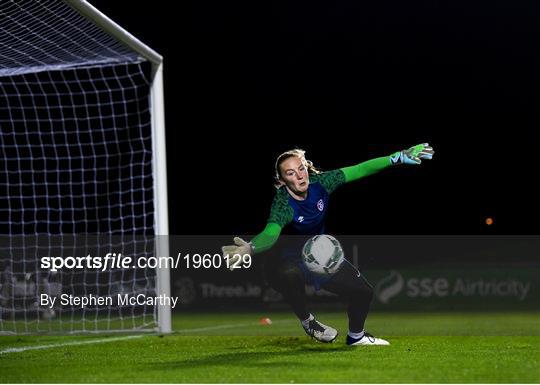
103 340
73 343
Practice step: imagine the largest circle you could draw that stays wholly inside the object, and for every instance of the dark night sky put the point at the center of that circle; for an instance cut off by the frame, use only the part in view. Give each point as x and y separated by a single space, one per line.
348 81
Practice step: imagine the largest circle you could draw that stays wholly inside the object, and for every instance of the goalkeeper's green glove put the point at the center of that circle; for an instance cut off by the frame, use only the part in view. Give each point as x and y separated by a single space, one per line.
413 155
236 252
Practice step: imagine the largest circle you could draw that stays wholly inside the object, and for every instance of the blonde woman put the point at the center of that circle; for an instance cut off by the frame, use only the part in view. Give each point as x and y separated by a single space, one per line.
300 206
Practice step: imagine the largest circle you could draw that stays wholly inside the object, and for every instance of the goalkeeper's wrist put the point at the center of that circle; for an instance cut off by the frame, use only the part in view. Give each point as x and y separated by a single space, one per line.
396 158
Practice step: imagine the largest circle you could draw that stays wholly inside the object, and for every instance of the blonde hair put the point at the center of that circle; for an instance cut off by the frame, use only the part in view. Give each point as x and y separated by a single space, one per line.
299 153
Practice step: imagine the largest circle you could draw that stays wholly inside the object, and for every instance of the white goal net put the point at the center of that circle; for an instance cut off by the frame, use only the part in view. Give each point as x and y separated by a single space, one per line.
79 164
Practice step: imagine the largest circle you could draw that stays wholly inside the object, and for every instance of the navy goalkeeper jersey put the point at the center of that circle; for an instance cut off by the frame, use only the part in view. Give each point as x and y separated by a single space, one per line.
306 216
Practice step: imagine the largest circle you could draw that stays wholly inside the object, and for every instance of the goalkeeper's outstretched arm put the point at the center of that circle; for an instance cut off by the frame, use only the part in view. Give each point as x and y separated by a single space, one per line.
282 213
261 242
413 155
267 238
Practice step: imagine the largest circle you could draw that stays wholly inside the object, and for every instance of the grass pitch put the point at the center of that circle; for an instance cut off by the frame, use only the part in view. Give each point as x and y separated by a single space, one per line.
222 348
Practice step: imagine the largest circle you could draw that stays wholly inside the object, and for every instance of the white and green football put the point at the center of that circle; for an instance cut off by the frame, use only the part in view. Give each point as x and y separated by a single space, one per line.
323 254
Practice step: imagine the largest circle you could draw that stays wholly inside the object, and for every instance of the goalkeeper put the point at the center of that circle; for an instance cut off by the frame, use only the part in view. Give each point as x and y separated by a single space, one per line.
300 204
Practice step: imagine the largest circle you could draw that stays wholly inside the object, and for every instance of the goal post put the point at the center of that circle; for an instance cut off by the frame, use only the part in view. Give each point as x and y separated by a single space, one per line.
160 192
159 145
83 142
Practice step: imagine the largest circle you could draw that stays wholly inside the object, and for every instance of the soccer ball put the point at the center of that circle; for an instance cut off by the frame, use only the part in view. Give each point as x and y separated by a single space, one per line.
323 254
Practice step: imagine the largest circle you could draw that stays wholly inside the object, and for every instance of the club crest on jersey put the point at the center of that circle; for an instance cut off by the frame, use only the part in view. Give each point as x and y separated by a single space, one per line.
320 205
300 219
